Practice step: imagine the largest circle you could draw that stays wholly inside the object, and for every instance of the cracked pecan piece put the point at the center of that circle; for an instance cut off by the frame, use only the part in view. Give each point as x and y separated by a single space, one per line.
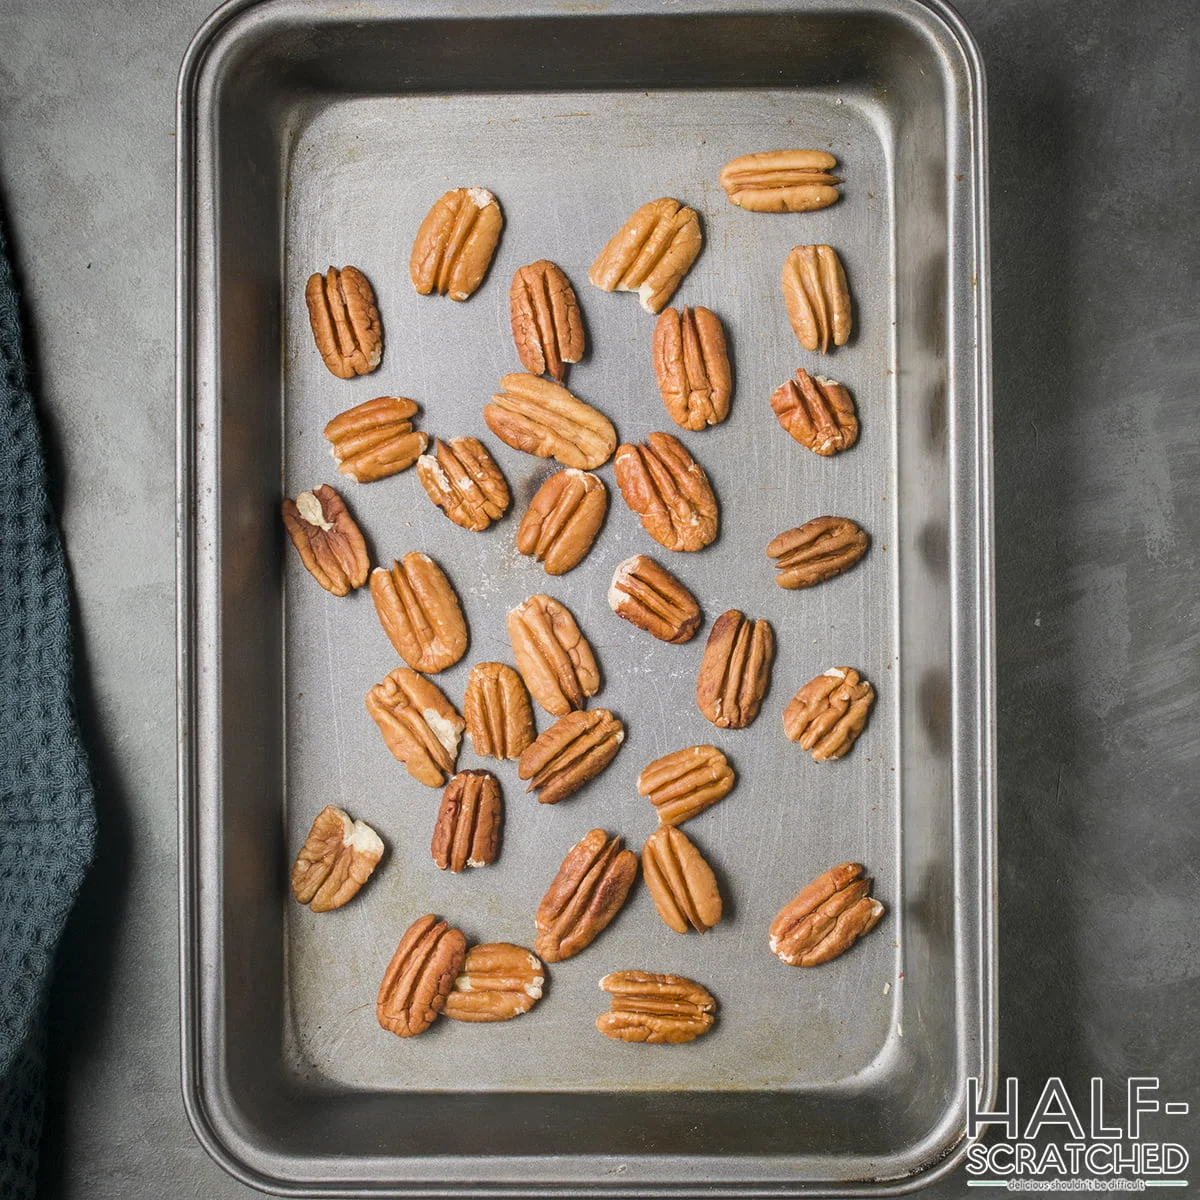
818 412
826 918
375 439
574 750
828 713
820 549
681 883
420 976
541 417
335 861
418 724
735 670
655 1009
329 543
781 181
498 981
345 321
547 325
585 895
463 480
669 491
553 656
420 613
651 598
686 782
497 711
817 297
563 519
455 243
691 363
467 830
651 253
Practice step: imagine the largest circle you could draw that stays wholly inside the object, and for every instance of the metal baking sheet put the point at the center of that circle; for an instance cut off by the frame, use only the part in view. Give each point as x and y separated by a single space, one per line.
313 135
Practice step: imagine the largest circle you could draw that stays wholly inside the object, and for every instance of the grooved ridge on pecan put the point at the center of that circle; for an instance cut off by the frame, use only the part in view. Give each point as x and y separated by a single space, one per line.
818 412
826 918
547 325
418 724
655 1009
345 321
828 713
563 519
375 439
820 549
455 243
686 782
463 480
735 670
691 364
335 861
419 977
817 297
553 656
541 417
467 830
681 883
781 181
574 750
669 491
497 711
329 543
498 981
420 613
650 597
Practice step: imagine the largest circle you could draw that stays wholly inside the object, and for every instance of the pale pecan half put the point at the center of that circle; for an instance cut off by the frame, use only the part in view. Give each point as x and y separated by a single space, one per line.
781 181
418 724
681 883
375 439
498 981
497 711
585 895
817 297
651 253
692 367
820 549
541 417
818 412
651 598
655 1009
467 830
329 543
547 325
669 491
455 243
735 670
335 861
345 321
686 782
420 613
828 713
575 749
563 519
553 656
463 480
420 976
826 918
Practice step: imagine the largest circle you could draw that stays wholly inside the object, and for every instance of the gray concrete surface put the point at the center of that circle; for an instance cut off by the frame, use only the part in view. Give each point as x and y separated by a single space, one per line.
1097 354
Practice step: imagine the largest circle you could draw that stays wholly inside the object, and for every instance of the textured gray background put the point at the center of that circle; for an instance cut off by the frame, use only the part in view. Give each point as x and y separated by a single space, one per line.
1095 200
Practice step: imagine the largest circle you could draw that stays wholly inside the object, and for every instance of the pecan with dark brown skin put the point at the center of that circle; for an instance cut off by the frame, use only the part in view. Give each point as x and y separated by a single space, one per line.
563 519
455 243
826 918
329 543
651 598
735 670
467 830
691 364
463 480
497 711
818 412
345 321
420 976
574 750
828 713
335 861
669 491
375 439
547 325
820 549
655 1009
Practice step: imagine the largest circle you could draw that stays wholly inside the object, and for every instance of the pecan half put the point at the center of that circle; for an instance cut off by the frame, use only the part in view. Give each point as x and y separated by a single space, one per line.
335 861
669 491
828 713
547 325
656 1009
781 181
651 598
418 724
817 297
329 543
463 480
345 321
420 613
467 830
420 976
681 883
498 981
375 439
692 367
575 749
554 658
563 519
820 549
826 918
735 670
686 782
818 412
585 895
497 711
651 253
455 243
541 417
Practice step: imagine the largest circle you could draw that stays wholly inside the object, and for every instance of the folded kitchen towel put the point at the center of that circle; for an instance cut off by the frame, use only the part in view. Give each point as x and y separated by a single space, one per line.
47 815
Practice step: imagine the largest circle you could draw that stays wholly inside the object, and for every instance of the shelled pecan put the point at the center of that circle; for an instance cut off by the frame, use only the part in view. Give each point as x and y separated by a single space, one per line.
541 417
498 981
335 861
345 321
681 883
686 782
826 918
553 656
547 325
455 243
463 480
820 549
655 1009
817 297
781 181
563 519
467 830
828 713
418 724
735 670
329 543
420 976
651 253
651 598
691 364
669 491
574 750
497 711
420 613
376 439
818 412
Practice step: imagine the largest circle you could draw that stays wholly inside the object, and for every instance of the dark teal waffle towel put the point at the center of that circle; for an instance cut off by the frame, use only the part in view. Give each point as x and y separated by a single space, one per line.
47 815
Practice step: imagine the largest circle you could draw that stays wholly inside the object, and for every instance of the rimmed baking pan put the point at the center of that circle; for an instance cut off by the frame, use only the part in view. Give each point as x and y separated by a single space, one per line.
315 134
